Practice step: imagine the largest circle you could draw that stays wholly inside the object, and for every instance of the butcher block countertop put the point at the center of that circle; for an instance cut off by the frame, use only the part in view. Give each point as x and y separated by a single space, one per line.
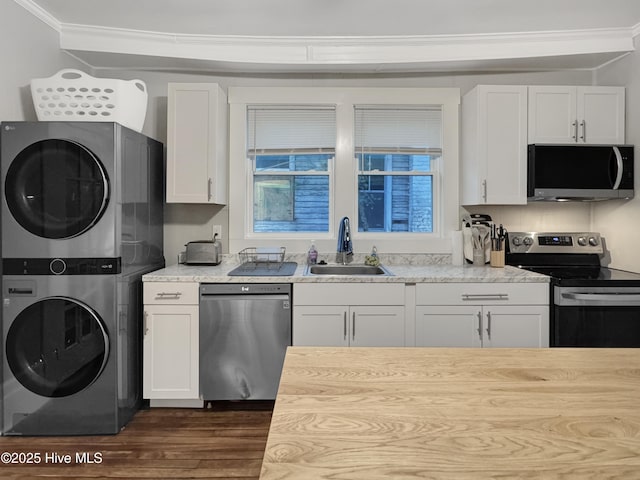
456 414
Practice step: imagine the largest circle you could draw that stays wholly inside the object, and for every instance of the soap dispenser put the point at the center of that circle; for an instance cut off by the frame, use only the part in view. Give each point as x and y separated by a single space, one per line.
312 254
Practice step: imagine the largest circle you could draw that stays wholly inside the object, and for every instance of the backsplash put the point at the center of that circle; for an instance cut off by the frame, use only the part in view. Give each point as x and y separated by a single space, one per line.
539 217
385 258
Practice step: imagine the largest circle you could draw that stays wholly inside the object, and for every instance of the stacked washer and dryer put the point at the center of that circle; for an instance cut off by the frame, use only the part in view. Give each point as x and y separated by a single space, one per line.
82 221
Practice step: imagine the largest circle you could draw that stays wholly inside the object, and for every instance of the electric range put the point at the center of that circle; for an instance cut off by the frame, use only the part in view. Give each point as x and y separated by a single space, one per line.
591 305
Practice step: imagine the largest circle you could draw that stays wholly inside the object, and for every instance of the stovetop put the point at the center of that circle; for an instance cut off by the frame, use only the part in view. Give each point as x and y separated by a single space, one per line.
571 259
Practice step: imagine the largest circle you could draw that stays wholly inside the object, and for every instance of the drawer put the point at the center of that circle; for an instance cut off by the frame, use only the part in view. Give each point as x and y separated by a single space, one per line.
482 294
167 293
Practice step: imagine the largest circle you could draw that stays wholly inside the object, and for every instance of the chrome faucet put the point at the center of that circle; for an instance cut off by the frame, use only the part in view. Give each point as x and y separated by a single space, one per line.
345 245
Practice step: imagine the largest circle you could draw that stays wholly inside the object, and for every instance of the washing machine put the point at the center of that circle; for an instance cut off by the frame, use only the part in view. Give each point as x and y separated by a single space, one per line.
71 346
82 221
81 189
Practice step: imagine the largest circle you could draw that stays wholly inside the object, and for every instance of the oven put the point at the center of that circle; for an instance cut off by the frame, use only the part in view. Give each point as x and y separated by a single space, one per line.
590 305
595 317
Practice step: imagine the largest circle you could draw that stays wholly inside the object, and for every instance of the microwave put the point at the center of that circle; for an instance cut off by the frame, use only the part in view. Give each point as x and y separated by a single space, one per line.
579 172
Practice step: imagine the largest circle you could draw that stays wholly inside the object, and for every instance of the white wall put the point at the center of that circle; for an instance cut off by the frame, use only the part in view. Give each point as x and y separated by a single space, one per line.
619 221
28 49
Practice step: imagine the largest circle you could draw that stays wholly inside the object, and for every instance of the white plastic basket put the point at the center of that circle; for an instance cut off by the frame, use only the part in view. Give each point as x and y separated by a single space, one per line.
73 95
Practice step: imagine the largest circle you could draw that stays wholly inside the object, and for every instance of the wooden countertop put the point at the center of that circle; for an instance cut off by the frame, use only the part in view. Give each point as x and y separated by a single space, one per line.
456 414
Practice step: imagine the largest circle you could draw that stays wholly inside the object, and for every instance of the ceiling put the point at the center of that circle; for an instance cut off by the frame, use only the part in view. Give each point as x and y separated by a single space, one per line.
342 35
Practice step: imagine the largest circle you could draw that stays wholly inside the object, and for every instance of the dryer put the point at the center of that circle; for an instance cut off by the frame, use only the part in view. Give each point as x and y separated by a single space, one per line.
71 349
80 189
82 221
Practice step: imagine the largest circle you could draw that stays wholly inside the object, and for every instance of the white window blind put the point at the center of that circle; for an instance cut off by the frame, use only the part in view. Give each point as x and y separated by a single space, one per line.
398 129
278 130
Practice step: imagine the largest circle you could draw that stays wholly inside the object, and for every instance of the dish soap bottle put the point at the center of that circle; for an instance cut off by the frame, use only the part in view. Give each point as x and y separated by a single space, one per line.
312 254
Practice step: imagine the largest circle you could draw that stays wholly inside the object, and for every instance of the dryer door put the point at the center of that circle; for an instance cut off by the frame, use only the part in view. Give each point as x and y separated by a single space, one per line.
56 189
57 347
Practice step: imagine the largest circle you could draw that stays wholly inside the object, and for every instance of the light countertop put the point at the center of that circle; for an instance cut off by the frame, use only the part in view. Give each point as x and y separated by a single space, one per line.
401 274
464 414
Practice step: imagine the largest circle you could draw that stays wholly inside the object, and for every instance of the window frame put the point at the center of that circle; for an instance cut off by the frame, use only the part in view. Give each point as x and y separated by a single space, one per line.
345 169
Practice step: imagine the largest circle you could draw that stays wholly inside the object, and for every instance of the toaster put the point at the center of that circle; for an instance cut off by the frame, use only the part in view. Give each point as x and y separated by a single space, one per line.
203 252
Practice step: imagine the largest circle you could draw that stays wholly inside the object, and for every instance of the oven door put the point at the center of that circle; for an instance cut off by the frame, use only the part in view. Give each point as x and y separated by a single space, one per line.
595 317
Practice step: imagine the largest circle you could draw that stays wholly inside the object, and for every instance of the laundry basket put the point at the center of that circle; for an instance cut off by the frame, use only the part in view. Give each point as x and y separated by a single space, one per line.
73 95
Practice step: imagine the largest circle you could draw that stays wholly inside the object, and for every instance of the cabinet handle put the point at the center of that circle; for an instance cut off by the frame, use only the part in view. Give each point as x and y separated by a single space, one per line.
575 130
345 325
484 190
209 189
484 296
353 326
583 137
146 329
168 295
489 325
480 325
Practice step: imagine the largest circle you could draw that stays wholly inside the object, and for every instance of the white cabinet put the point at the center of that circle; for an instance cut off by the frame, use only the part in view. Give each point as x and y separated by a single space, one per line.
170 345
197 118
343 325
341 314
568 114
494 145
482 315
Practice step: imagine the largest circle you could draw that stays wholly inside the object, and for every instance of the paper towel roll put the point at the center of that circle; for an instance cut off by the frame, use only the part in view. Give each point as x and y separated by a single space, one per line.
457 256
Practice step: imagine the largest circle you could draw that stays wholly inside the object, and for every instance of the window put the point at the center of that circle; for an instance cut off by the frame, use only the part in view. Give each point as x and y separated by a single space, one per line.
291 150
303 158
398 149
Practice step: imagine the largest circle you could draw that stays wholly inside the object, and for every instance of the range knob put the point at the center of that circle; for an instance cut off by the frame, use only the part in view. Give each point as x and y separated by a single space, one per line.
582 241
528 241
517 241
593 241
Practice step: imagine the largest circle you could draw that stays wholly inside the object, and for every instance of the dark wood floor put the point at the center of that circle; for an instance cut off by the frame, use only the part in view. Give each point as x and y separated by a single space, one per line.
225 441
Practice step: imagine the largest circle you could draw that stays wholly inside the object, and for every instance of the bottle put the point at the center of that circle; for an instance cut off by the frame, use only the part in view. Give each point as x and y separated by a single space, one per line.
312 254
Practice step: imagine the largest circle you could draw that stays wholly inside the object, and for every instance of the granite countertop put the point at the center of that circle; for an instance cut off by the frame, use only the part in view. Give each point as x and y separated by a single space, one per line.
402 273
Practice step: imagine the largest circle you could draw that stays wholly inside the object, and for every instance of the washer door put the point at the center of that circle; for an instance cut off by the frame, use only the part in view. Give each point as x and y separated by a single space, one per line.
57 347
56 189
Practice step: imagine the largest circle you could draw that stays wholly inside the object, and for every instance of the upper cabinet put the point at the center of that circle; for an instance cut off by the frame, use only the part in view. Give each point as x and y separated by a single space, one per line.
197 118
494 145
582 115
498 121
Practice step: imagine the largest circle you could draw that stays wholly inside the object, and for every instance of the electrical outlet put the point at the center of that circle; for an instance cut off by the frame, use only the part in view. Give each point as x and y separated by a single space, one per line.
217 229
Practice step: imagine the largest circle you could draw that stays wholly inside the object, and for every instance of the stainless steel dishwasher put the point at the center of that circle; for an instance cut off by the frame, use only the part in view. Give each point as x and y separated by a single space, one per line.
244 333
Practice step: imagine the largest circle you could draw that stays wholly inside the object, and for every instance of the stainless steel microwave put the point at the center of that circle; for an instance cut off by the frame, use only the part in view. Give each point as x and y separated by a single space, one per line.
579 172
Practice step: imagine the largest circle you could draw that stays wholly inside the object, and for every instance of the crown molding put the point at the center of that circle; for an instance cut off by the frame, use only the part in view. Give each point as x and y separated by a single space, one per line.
323 51
40 13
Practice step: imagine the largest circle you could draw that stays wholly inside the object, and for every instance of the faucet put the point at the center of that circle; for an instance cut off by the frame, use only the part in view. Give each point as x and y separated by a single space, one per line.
344 239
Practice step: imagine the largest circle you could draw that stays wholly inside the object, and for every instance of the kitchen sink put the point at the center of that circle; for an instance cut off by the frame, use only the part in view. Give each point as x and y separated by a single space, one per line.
337 269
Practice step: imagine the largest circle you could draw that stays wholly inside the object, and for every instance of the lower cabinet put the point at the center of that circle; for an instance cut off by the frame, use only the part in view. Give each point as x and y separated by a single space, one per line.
170 345
349 314
482 326
355 326
482 315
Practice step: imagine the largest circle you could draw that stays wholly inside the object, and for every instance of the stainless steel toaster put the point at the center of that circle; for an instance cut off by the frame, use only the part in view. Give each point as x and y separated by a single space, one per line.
203 252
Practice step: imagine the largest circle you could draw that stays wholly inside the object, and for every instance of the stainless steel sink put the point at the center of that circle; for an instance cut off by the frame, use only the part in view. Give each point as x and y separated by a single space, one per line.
338 269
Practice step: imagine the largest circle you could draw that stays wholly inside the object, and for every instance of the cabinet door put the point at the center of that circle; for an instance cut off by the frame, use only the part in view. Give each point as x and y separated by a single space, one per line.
196 143
379 326
516 326
601 115
552 114
494 145
325 326
170 349
448 326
